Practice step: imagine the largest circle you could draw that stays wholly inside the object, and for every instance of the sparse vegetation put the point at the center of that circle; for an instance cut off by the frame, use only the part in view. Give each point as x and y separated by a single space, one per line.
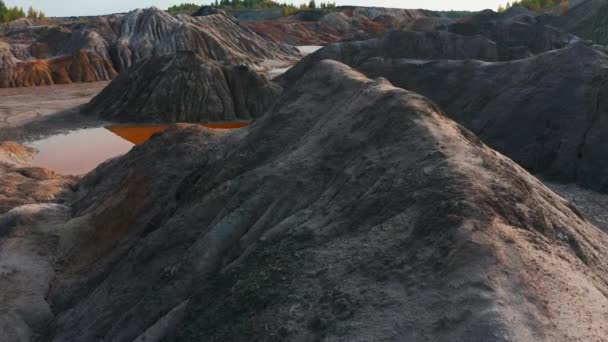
538 5
286 8
13 13
183 8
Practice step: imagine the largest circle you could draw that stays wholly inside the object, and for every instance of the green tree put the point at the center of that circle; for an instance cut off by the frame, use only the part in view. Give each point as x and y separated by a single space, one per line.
312 4
31 13
13 13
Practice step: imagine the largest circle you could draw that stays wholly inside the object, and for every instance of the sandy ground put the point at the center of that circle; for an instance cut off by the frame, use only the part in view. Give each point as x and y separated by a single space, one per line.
27 113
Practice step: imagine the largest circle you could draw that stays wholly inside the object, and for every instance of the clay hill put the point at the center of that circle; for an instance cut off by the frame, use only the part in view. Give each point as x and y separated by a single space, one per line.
517 32
184 88
546 111
329 26
401 44
98 48
353 210
588 20
487 36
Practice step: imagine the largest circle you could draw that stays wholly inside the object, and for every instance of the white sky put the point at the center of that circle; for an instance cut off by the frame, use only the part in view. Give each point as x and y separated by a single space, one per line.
94 7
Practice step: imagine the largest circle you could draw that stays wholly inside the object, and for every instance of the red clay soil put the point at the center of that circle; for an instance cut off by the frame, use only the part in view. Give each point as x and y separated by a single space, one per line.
138 134
80 67
296 32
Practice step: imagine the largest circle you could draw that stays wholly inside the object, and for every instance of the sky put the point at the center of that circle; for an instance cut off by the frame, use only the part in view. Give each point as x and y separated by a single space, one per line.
96 7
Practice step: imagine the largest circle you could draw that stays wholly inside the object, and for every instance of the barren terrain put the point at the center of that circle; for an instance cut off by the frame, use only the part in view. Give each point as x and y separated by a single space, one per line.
31 112
22 105
356 201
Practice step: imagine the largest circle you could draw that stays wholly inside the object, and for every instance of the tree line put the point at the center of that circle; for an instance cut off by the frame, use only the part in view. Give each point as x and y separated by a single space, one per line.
538 5
287 9
13 13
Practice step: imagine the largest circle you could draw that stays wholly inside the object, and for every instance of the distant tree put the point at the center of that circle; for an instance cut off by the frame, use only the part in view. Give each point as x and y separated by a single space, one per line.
31 13
13 13
500 9
535 5
41 15
286 9
183 8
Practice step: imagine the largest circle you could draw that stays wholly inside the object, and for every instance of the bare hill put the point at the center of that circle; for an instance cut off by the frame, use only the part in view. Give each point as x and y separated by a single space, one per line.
546 112
98 48
184 88
353 210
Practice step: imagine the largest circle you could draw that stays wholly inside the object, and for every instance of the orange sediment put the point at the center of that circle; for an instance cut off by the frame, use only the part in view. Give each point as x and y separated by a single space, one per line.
138 134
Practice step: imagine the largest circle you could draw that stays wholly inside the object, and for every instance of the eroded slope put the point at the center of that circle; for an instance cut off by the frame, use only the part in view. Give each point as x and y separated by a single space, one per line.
353 210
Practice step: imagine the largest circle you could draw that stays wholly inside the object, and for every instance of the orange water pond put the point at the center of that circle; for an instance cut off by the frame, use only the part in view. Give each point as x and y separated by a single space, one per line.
80 151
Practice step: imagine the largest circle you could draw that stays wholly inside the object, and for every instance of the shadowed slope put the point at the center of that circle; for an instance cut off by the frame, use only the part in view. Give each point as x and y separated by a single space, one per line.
518 32
184 88
589 20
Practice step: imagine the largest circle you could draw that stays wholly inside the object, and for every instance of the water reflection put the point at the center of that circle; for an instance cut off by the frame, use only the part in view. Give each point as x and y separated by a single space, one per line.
80 151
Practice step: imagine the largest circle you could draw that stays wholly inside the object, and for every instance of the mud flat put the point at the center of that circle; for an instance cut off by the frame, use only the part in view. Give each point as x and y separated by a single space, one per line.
22 105
35 112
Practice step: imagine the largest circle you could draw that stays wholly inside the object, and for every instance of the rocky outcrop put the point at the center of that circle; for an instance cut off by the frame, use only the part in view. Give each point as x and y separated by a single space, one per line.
327 218
99 48
548 113
518 32
184 88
